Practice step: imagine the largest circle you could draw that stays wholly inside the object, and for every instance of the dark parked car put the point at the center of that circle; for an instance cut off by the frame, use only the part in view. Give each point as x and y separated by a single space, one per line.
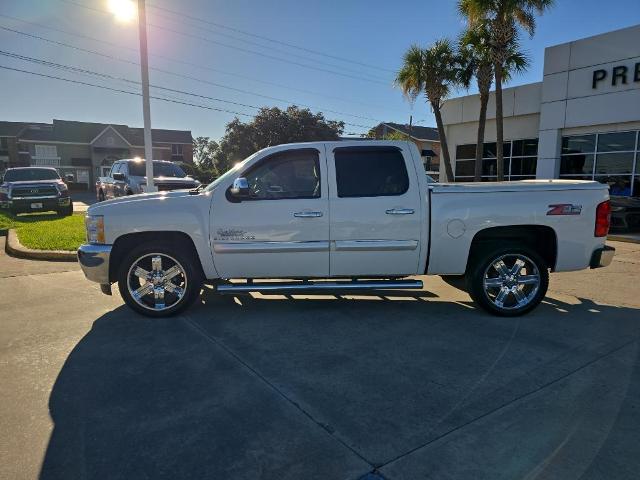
625 214
34 189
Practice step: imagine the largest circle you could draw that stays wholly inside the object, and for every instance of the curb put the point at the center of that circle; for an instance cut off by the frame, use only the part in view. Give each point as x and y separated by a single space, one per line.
15 248
616 238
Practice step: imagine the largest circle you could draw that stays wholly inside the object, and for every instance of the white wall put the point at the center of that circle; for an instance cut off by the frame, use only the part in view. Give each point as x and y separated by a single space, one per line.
564 102
570 100
521 107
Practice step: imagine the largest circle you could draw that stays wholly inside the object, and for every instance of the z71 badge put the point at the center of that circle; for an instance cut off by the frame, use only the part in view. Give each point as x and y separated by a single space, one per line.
565 209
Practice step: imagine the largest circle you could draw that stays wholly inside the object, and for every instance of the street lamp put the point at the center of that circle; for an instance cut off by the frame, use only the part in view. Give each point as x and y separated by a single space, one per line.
124 10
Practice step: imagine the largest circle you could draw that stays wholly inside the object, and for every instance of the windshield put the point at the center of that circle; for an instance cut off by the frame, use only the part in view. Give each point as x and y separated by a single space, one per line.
31 174
160 169
228 173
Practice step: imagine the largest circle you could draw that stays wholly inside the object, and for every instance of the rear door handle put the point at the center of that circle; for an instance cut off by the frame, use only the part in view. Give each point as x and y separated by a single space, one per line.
400 211
307 214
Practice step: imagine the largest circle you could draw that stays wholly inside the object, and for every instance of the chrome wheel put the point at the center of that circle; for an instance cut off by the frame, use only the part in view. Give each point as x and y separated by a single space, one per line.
156 281
511 281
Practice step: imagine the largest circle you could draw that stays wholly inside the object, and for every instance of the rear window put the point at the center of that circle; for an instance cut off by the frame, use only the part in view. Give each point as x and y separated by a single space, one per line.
30 174
160 169
370 172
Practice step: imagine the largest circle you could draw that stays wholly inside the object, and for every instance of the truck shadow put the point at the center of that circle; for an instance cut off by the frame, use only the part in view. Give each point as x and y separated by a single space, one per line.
202 395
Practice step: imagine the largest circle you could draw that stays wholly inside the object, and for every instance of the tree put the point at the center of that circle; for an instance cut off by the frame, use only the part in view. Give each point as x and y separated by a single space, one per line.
273 126
502 18
204 150
433 71
476 60
390 135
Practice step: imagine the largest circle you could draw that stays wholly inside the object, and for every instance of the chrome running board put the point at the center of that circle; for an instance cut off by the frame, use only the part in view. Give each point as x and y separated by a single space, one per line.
311 286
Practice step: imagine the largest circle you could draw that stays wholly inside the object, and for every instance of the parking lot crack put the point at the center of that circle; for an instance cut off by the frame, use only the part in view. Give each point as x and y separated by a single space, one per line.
512 401
330 431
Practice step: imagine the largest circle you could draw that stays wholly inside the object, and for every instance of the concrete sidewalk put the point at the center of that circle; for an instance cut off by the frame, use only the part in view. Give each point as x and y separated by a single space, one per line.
82 200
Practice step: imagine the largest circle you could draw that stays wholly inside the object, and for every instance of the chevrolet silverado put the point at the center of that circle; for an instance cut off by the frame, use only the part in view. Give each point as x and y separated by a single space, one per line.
342 217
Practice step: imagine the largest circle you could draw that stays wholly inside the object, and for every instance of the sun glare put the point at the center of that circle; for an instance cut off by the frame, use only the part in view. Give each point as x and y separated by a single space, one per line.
123 10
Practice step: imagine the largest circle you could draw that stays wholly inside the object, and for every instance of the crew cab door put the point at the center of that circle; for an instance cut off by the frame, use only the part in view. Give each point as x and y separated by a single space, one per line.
376 214
282 228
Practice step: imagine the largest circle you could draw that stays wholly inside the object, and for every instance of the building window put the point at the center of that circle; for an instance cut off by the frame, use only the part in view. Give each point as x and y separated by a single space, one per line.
4 145
46 155
176 153
520 160
610 158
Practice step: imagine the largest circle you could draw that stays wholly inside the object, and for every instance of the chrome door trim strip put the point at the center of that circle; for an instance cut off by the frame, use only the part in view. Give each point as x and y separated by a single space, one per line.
374 245
270 247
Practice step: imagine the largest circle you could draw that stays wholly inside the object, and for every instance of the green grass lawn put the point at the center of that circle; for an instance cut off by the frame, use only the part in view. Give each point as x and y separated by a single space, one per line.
46 231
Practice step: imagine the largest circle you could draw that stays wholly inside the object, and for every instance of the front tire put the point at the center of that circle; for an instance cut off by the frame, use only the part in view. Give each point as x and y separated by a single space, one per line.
508 280
159 280
66 211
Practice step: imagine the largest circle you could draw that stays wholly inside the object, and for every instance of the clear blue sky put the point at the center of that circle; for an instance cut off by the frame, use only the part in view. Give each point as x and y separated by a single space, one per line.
371 32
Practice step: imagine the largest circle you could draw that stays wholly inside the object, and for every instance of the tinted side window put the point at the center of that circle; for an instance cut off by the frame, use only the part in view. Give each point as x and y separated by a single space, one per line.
370 172
290 174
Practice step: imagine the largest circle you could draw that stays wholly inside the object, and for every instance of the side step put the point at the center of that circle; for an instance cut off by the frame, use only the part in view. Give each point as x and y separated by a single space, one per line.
310 286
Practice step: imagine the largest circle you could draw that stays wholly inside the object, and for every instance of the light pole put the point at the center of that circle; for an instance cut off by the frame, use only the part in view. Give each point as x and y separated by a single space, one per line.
146 108
124 10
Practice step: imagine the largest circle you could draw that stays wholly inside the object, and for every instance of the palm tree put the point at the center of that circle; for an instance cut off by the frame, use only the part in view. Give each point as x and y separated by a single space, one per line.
434 72
503 17
475 57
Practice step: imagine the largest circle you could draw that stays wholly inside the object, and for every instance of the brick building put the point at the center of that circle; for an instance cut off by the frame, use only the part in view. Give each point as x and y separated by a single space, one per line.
85 150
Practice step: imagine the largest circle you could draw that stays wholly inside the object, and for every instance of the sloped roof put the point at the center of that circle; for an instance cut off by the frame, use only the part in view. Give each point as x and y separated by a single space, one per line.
85 132
419 133
10 129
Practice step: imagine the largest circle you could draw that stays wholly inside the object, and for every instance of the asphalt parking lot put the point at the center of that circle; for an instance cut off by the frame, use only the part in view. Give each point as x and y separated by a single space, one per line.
407 386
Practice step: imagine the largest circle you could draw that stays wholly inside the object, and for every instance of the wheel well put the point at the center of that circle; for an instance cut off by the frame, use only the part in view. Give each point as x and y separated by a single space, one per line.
540 238
125 243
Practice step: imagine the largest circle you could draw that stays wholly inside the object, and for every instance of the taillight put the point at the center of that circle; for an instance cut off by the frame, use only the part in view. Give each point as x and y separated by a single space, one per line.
603 219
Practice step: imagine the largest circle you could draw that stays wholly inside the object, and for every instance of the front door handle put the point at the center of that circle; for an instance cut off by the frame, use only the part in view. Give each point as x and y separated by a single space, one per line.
307 214
400 211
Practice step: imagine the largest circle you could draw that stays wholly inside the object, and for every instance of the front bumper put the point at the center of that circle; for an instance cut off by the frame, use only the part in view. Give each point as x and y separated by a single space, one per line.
602 257
94 260
23 204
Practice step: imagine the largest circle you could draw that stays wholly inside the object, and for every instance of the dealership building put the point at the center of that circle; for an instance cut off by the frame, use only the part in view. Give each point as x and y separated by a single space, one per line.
580 122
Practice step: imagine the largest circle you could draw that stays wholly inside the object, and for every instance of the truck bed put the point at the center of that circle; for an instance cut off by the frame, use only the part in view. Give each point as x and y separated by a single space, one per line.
517 186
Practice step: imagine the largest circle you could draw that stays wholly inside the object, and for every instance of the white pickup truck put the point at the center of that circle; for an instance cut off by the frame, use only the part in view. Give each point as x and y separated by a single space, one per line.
342 217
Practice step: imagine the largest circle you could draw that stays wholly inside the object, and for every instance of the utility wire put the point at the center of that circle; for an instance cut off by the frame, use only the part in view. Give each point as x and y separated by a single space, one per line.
180 75
72 69
183 62
244 32
53 77
235 47
118 90
272 49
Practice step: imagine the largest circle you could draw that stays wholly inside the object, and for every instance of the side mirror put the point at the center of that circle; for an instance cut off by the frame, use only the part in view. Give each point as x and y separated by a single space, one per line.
118 176
68 178
240 188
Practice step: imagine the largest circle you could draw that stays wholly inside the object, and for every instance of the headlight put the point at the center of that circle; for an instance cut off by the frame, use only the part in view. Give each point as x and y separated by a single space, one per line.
62 188
95 228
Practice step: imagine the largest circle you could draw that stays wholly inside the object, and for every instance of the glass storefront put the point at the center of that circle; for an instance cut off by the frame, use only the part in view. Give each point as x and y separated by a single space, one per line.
611 158
520 159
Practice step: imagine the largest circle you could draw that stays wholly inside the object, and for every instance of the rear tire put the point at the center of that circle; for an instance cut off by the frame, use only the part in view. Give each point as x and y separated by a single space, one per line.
159 279
508 280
